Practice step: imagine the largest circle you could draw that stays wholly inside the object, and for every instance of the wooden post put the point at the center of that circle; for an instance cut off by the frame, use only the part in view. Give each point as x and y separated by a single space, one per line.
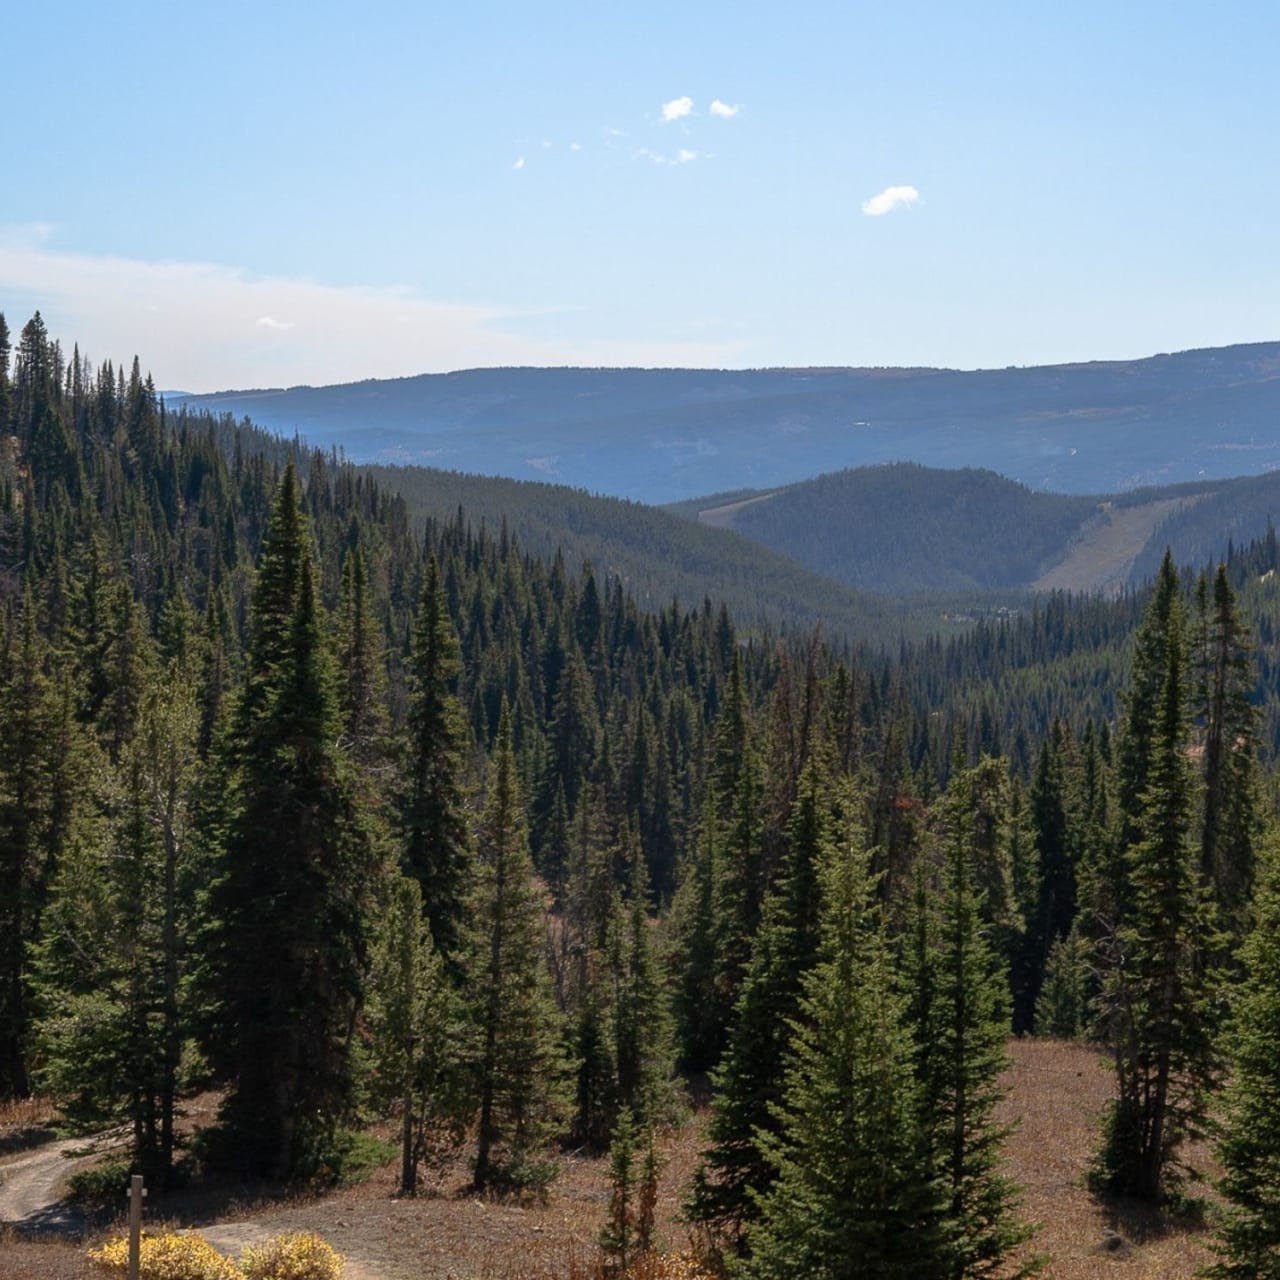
135 1193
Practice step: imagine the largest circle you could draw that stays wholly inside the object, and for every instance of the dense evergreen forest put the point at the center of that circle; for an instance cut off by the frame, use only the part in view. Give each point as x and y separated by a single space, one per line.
333 808
905 527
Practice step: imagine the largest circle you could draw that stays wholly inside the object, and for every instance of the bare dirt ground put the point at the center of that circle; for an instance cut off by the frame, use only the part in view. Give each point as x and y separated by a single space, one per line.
1057 1092
723 517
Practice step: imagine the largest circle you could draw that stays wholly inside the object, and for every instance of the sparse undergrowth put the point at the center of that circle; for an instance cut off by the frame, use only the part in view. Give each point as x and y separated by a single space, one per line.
672 1266
1058 1089
24 1122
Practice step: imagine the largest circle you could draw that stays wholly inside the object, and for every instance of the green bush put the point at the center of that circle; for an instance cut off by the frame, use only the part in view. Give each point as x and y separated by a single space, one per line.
101 1187
350 1157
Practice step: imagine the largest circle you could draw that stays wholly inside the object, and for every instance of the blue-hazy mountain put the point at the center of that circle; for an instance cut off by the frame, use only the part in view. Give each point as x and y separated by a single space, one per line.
660 435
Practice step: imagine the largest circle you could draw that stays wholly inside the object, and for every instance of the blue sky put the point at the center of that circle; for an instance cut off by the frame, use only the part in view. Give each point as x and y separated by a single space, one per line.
257 194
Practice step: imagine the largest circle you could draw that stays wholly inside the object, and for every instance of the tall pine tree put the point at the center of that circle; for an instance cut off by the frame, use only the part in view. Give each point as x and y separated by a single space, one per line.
854 1195
1250 1143
437 849
736 1169
1159 997
961 1009
286 928
520 1072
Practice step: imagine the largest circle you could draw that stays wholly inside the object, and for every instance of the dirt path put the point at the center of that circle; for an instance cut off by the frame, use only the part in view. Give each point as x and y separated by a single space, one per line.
232 1238
32 1185
32 1199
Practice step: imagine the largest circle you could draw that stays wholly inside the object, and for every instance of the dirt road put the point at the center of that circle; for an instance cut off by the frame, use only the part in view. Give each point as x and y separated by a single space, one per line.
32 1186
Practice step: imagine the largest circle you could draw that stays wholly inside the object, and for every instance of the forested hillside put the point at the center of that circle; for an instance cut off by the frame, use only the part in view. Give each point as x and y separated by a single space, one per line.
350 820
657 556
902 528
906 528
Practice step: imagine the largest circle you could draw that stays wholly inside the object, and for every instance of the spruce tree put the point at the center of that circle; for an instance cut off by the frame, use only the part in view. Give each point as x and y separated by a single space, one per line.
854 1195
1055 819
5 396
740 875
589 942
643 1054
1249 1148
437 849
698 1004
25 853
1159 998
520 1071
114 955
362 666
1063 1003
285 939
736 1169
1229 823
961 1009
416 1026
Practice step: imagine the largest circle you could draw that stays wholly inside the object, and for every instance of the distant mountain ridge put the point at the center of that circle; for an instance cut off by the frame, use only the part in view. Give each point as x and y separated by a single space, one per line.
660 435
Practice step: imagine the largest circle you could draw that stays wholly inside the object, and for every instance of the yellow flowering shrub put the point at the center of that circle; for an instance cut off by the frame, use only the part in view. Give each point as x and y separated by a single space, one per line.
296 1255
669 1266
167 1257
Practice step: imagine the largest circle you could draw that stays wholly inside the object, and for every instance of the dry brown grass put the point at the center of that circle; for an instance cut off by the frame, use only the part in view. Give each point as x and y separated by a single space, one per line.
25 1122
458 1235
27 1113
22 1259
1057 1091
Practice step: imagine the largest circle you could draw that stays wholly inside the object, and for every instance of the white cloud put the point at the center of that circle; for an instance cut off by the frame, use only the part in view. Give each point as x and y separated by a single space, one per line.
683 156
575 146
206 327
519 164
677 109
725 110
888 200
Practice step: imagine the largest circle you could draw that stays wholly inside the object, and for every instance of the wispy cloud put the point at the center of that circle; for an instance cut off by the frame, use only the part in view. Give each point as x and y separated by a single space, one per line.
683 156
889 200
206 327
677 109
519 164
725 110
575 146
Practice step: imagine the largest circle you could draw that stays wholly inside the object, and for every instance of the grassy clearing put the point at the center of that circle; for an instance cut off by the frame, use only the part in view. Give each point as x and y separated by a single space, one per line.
1101 557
